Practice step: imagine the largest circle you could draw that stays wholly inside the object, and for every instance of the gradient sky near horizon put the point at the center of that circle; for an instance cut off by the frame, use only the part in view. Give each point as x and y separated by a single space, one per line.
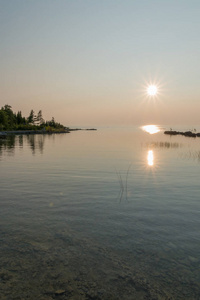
89 62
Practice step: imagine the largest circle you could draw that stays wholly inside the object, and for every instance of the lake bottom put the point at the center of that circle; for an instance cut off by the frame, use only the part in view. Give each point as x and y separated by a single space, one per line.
104 215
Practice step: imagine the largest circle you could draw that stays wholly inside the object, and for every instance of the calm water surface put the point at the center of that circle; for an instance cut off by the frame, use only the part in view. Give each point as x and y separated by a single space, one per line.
107 214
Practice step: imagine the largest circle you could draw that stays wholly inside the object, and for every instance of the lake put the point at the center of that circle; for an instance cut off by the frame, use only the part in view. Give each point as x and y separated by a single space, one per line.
106 214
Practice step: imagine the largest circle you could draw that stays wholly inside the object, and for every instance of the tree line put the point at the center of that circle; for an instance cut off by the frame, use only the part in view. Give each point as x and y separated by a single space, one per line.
15 121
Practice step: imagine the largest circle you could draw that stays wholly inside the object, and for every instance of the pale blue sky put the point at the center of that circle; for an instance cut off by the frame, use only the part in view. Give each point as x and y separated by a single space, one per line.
89 62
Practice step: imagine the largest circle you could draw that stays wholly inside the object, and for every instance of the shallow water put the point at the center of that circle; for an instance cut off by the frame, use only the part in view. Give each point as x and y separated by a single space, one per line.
107 214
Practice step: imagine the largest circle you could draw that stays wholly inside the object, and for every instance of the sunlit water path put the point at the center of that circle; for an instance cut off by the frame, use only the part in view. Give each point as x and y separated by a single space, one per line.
109 214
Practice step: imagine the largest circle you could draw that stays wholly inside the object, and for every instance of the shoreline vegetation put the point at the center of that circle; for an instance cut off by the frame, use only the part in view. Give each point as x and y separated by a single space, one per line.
15 123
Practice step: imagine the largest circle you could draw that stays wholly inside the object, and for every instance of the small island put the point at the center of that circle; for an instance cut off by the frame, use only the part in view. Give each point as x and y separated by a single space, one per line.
15 123
185 133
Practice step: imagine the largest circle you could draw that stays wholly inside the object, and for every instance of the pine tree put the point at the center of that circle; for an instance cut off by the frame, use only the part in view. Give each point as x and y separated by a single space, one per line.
19 118
40 119
31 117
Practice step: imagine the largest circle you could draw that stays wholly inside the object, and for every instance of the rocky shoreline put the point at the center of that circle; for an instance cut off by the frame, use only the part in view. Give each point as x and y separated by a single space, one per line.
186 133
4 134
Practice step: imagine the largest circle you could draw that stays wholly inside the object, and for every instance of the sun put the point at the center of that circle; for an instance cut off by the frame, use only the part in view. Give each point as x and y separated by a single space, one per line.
152 90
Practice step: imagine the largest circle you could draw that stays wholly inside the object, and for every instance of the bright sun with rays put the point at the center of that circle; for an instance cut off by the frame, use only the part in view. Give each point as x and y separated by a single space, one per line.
152 90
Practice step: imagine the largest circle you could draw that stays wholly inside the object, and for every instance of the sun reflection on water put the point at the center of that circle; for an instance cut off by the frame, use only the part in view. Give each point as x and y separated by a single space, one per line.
151 128
150 158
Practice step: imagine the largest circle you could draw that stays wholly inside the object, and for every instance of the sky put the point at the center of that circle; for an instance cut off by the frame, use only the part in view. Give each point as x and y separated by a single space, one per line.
89 62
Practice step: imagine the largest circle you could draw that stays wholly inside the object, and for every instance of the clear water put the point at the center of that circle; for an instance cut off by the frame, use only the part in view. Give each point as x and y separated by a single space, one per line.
107 214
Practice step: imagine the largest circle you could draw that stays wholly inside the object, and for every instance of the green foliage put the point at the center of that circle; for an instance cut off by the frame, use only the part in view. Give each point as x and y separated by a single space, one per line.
3 119
53 124
15 121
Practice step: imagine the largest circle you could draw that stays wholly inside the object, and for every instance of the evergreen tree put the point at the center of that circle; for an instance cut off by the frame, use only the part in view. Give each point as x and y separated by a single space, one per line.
40 119
31 117
19 118
53 122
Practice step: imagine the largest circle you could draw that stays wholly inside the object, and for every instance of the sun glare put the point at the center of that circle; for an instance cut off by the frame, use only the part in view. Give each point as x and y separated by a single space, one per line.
152 90
151 128
150 158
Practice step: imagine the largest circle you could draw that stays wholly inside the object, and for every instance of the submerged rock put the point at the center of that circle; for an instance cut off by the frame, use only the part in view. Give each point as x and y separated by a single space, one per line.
193 259
60 292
